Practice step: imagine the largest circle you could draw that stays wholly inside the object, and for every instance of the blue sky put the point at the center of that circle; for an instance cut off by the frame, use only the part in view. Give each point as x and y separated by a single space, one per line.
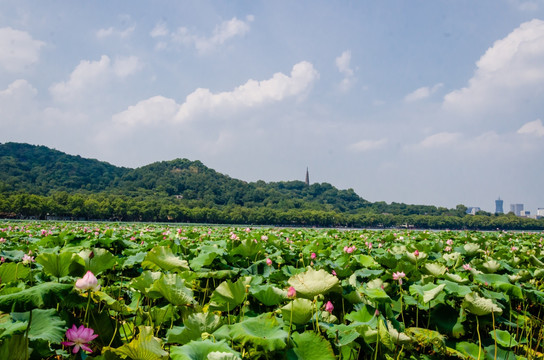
421 102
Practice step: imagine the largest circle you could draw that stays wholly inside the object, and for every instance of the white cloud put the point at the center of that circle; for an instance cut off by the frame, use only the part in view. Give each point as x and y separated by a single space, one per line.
92 73
511 69
111 31
366 145
159 30
439 140
147 112
202 101
343 64
19 49
422 93
19 89
221 34
252 93
534 128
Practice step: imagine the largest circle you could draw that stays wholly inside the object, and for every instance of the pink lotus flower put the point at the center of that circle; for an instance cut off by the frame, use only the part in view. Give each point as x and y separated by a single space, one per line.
313 256
291 293
79 338
27 258
268 262
88 282
467 267
333 272
398 276
449 242
329 307
416 253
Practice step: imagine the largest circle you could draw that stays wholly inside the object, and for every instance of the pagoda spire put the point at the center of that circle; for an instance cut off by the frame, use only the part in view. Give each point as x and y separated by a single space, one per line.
307 177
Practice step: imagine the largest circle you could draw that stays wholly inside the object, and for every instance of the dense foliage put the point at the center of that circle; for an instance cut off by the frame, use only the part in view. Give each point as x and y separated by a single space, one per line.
37 182
113 291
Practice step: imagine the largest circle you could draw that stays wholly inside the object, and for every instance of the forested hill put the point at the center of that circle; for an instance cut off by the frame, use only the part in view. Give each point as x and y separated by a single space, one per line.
44 171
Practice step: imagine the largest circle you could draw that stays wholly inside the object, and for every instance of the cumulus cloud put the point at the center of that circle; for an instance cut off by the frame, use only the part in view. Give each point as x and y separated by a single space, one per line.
19 49
367 145
422 93
91 73
19 89
203 44
511 68
343 64
439 140
202 101
534 128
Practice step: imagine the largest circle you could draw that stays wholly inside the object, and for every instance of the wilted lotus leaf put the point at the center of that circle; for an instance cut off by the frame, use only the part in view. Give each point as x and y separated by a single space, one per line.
312 283
479 305
298 311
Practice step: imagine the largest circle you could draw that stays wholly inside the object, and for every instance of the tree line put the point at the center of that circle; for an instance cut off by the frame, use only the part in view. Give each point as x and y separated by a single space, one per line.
109 207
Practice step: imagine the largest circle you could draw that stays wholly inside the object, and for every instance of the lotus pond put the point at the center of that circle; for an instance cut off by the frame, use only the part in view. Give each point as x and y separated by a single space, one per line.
148 291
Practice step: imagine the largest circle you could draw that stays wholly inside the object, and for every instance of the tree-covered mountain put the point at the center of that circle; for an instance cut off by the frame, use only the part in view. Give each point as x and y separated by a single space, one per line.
43 171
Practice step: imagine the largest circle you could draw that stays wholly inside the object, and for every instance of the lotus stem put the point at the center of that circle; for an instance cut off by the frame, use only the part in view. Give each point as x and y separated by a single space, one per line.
479 337
495 333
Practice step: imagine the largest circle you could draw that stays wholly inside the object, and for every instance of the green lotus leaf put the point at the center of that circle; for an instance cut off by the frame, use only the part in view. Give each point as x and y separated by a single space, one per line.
172 288
314 282
471 248
344 334
39 296
263 332
536 262
365 315
491 279
218 355
457 278
200 350
45 325
470 350
366 261
427 292
113 304
227 296
206 256
396 336
145 347
193 327
427 337
435 269
10 328
311 346
15 348
57 265
247 248
456 289
13 272
377 294
162 257
299 311
268 295
413 259
144 282
479 305
491 266
100 261
451 257
504 338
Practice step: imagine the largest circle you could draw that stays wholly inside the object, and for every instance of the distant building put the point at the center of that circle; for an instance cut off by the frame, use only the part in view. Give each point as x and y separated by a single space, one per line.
473 210
516 209
539 213
307 177
525 213
498 206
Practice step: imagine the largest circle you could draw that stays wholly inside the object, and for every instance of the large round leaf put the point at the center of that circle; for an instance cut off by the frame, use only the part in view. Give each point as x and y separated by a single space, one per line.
312 283
479 305
310 346
228 296
299 311
38 296
263 332
201 350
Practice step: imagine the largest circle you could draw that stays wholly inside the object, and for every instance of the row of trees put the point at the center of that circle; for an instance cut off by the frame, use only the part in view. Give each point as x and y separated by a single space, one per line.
80 206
